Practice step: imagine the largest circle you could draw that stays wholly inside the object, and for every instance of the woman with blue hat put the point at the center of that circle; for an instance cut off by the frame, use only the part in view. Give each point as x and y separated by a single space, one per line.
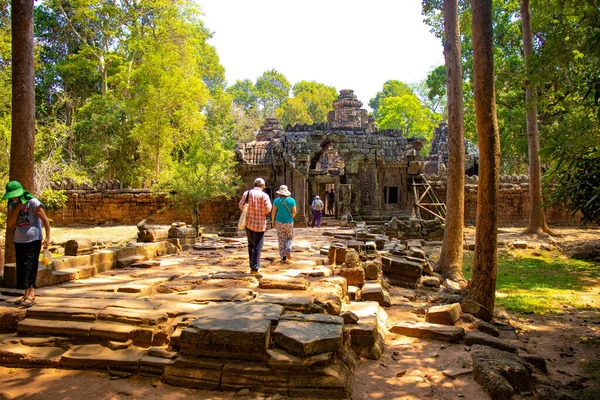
26 214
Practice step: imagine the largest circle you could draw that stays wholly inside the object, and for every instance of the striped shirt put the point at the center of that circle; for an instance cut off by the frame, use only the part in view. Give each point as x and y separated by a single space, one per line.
260 206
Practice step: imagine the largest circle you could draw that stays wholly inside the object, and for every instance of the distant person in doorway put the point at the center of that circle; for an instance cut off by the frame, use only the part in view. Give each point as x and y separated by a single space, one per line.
317 212
282 217
330 201
256 220
26 214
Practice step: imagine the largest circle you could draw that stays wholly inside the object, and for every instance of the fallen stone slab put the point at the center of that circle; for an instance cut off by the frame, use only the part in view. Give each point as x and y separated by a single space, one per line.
501 374
304 338
237 339
95 356
206 295
132 316
367 336
283 283
254 310
427 330
254 376
446 314
402 266
472 338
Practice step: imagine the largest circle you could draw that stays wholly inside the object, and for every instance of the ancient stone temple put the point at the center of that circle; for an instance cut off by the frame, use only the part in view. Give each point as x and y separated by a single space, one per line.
369 170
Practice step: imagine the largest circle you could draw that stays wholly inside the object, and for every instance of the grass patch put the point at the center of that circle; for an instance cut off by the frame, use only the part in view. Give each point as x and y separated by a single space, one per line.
539 284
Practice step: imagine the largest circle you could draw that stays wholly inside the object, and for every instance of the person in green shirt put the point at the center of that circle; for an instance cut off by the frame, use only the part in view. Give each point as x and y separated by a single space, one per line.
282 217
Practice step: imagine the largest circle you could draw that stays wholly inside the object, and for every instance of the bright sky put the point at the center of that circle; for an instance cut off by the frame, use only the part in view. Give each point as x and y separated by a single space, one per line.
348 44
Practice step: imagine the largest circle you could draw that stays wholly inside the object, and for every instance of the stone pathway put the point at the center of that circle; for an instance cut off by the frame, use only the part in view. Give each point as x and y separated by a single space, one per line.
199 319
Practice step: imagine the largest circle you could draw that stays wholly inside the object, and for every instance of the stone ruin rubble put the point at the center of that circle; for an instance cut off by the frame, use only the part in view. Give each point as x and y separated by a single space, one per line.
198 319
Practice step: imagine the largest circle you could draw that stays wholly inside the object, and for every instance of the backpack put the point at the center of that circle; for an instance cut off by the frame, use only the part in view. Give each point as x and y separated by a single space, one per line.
318 205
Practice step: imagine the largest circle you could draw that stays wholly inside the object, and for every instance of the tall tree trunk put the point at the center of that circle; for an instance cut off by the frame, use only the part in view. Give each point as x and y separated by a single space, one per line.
23 104
483 284
537 219
450 263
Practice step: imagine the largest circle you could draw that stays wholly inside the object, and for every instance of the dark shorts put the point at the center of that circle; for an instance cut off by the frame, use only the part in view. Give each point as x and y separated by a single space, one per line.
27 256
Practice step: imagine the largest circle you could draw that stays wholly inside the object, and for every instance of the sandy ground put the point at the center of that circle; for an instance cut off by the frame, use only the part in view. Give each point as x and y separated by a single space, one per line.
409 369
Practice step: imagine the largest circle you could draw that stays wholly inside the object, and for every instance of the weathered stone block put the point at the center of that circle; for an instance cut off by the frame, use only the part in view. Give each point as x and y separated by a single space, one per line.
9 318
429 331
372 270
447 314
476 309
9 278
306 338
78 247
375 292
354 276
501 374
238 339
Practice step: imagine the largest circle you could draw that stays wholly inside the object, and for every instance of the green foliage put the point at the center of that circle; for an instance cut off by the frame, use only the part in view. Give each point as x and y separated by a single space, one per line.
53 200
318 98
576 183
293 111
206 171
311 103
435 89
392 88
407 114
272 88
244 94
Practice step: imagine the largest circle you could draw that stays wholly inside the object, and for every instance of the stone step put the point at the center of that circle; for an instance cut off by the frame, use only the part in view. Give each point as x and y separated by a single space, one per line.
97 331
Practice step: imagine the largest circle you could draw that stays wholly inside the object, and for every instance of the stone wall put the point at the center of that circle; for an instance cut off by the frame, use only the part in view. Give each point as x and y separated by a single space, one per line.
513 208
129 206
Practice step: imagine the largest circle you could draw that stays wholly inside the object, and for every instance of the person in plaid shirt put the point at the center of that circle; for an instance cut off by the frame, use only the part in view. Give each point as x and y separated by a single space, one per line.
256 220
